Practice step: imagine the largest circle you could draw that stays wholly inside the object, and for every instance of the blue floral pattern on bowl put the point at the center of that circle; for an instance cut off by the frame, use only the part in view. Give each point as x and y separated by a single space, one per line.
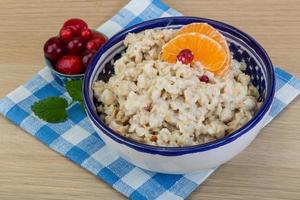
252 68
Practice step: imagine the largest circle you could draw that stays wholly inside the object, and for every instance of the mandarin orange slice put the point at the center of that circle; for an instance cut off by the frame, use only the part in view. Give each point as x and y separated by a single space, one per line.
207 51
209 31
204 29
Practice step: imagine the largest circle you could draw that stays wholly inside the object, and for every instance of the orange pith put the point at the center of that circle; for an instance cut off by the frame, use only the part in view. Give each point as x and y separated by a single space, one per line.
207 51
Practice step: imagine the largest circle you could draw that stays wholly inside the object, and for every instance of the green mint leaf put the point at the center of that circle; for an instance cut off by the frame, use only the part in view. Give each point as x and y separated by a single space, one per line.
51 109
74 88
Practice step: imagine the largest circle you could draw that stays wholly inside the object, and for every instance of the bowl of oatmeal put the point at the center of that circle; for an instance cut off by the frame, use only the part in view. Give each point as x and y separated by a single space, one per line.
178 116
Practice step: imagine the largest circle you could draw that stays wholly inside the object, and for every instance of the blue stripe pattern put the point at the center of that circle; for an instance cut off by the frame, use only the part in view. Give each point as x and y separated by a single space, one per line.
77 140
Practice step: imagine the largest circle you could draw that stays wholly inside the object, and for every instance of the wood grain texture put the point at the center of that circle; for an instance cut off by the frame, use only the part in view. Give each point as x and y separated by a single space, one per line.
268 169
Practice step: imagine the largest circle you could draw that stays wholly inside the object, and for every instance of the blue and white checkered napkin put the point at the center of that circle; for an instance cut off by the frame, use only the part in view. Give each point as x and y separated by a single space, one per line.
77 140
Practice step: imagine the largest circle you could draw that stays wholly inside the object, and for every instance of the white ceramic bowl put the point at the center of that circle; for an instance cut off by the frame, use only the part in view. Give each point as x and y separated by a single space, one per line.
179 160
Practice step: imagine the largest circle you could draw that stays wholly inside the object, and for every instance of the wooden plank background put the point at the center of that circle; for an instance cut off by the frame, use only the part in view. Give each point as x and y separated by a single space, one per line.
268 169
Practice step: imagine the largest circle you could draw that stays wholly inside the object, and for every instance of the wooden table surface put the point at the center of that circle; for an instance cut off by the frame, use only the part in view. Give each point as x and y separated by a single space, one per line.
268 169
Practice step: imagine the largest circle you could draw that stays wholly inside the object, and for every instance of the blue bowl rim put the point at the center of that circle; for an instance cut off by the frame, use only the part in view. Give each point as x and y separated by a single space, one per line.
177 151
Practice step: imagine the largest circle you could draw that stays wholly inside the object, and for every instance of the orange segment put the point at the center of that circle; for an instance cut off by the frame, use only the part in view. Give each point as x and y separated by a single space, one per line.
207 51
209 31
204 29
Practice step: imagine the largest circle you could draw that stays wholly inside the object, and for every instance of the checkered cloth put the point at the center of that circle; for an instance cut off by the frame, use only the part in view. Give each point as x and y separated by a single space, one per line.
77 140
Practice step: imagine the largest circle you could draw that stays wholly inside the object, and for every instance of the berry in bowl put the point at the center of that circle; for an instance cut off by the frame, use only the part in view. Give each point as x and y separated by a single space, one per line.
69 54
180 94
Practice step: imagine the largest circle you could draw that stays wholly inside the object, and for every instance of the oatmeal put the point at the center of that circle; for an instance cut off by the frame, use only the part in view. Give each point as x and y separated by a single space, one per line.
166 104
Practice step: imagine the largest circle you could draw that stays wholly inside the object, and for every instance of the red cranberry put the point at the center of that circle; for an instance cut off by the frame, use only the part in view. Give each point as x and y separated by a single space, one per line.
97 42
92 45
54 49
99 37
76 24
86 34
100 40
66 34
185 56
204 78
86 58
69 64
97 34
76 46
